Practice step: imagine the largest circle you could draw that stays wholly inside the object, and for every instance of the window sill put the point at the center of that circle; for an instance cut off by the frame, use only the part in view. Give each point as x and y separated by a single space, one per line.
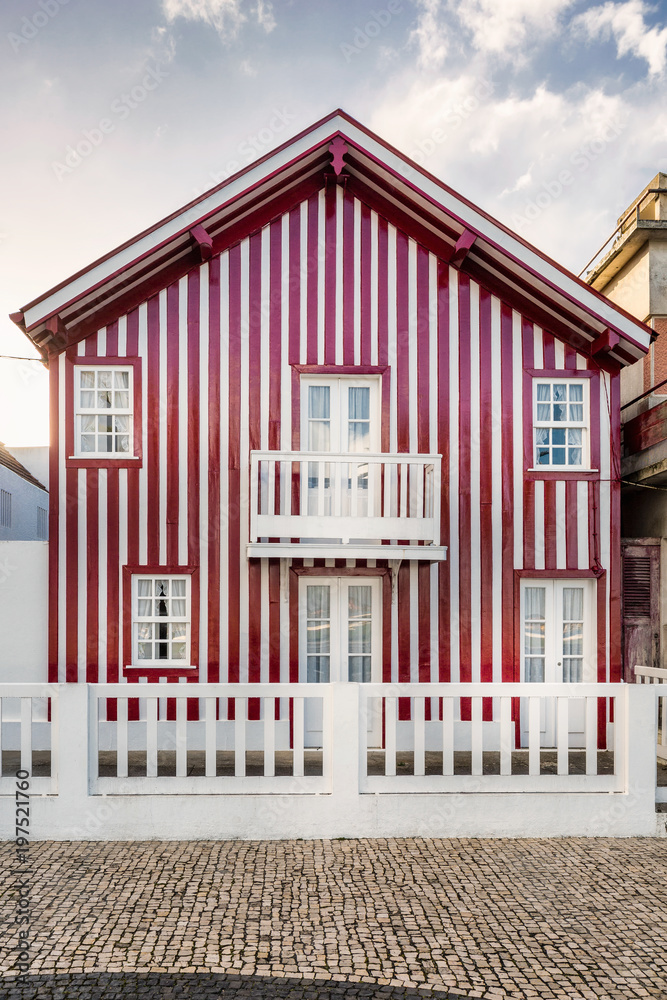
561 468
100 462
582 475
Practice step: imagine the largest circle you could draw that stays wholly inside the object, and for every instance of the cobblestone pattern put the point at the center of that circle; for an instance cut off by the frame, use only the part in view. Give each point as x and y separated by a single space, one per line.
492 919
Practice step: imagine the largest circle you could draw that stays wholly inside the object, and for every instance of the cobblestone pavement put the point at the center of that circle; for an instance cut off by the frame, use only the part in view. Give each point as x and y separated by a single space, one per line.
493 919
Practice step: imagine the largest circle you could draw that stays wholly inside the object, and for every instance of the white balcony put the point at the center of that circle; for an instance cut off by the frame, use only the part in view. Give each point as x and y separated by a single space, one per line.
354 505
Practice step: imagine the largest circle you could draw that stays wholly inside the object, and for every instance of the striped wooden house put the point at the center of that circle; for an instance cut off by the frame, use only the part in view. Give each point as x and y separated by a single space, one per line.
332 422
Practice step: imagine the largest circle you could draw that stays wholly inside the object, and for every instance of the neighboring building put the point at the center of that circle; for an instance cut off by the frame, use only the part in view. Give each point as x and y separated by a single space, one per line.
24 501
333 422
633 274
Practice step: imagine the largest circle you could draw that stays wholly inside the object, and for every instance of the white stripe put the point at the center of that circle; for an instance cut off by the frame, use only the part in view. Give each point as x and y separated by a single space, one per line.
538 347
183 403
413 336
62 521
122 336
604 518
517 431
433 612
101 343
497 488
539 524
142 514
243 463
582 526
203 471
454 395
559 354
475 490
433 352
321 260
561 548
391 339
356 277
102 575
265 307
303 282
374 288
582 362
224 477
162 449
338 329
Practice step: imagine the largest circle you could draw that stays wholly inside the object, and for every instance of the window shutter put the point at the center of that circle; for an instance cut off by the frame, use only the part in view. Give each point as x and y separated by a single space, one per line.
637 586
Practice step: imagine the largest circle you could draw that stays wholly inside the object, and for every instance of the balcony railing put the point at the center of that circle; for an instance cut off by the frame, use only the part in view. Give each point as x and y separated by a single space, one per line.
345 499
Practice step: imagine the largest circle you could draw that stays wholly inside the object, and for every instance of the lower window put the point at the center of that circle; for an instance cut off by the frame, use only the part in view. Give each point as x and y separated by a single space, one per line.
558 631
340 629
161 620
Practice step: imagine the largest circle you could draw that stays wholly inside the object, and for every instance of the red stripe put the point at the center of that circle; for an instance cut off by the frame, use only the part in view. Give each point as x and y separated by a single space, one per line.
402 343
404 625
311 283
423 361
572 526
214 461
255 387
386 628
294 625
113 563
424 595
570 357
602 657
528 355
274 621
444 608
330 276
550 524
193 419
152 457
254 630
234 537
549 349
486 377
133 508
507 399
173 475
464 484
275 336
295 283
365 283
615 638
71 558
92 575
54 518
382 285
348 280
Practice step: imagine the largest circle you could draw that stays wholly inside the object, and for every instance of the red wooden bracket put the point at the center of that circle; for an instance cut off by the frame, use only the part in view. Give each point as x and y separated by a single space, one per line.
203 241
463 246
338 149
601 348
54 335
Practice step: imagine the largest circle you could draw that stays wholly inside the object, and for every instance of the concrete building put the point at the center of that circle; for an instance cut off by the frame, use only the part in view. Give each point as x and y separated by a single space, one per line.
633 274
24 500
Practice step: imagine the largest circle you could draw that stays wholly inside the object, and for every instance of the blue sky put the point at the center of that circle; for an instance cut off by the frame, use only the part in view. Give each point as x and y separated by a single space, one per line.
550 115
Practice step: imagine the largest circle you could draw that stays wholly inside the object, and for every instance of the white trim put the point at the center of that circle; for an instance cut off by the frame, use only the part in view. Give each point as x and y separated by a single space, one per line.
153 619
96 411
584 425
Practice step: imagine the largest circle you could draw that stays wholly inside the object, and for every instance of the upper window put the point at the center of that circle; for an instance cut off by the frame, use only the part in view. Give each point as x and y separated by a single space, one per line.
104 411
161 620
561 422
340 414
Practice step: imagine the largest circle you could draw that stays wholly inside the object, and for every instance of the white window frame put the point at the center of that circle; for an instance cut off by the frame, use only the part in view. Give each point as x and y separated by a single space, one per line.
80 411
162 619
583 425
553 666
340 624
338 385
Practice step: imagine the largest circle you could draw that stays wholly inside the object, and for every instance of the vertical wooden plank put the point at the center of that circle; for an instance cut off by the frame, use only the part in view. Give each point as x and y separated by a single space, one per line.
419 727
506 736
210 736
477 737
26 735
390 709
591 736
298 737
562 734
240 713
269 737
151 737
534 735
448 736
181 738
121 739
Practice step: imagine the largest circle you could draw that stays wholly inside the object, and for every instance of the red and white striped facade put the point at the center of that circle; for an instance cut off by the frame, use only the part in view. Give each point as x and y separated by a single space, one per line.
335 282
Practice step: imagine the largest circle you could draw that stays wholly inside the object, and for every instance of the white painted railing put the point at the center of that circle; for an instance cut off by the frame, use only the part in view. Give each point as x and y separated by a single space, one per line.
343 496
654 675
459 750
26 736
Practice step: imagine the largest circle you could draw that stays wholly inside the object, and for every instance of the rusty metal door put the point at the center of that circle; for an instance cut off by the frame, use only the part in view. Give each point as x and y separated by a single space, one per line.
641 604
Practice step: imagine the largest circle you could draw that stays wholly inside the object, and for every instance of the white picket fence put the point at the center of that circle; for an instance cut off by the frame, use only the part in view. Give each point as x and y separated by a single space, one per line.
163 775
653 675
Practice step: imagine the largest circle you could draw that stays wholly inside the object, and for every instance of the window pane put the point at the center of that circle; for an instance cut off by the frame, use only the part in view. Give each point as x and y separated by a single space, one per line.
88 442
145 630
121 380
558 455
144 588
87 400
318 602
558 436
87 380
574 436
359 601
122 424
559 391
573 604
359 436
573 671
161 630
178 608
104 380
319 402
162 588
161 608
535 670
359 669
122 443
541 435
145 651
359 403
317 670
574 456
178 650
576 393
319 436
535 602
576 412
560 411
122 400
145 608
542 456
318 637
543 391
104 400
104 424
534 638
88 424
544 411
178 630
161 650
178 588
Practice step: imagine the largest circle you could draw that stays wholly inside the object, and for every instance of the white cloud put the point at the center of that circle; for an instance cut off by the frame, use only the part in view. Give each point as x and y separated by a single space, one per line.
625 21
226 16
502 26
430 36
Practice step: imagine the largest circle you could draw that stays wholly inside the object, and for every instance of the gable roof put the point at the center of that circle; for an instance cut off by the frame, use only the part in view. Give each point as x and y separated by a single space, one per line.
337 149
9 462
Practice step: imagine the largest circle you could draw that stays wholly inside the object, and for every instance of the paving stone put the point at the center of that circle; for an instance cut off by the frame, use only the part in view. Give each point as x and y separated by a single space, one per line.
574 919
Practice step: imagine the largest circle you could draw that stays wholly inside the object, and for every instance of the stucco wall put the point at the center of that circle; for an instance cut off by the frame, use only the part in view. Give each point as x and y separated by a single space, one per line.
26 498
23 611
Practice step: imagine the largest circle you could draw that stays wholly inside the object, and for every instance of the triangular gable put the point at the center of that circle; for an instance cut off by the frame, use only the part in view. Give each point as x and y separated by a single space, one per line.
337 150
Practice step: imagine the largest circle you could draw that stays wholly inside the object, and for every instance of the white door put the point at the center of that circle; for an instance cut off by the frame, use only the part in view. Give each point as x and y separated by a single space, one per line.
558 642
339 640
340 415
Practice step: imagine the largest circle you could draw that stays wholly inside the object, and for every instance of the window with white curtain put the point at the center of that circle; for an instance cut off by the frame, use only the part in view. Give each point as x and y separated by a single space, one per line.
103 411
161 620
561 414
558 631
340 621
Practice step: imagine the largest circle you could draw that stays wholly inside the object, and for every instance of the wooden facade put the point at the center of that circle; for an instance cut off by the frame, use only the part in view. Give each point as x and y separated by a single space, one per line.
311 266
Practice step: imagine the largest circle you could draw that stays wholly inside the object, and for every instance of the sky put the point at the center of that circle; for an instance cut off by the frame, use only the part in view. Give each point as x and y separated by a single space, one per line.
549 114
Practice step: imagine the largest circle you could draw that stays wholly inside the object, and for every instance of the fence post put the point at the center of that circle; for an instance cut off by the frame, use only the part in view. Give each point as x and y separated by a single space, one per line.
72 740
641 737
345 733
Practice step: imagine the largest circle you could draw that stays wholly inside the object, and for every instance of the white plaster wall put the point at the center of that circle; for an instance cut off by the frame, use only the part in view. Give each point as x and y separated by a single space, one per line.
26 498
23 611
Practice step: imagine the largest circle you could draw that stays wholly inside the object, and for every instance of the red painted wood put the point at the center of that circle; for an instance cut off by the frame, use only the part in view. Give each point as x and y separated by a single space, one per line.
133 506
254 630
486 380
312 291
214 527
295 284
444 606
153 431
571 525
348 280
172 403
509 651
92 576
113 587
402 344
275 319
255 387
551 527
404 627
615 637
71 584
234 484
330 213
423 344
383 304
54 520
465 609
365 285
549 350
193 417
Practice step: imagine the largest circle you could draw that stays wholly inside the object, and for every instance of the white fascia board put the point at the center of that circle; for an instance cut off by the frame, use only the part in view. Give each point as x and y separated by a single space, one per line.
402 167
